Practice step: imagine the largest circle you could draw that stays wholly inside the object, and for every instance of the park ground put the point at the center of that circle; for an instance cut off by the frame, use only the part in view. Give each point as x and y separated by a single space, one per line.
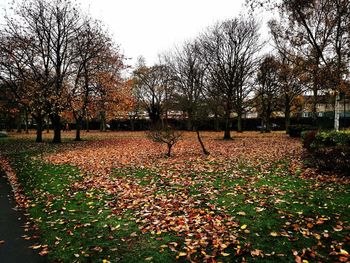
115 197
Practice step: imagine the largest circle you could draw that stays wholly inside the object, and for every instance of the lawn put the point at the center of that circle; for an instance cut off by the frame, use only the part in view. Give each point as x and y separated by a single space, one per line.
117 198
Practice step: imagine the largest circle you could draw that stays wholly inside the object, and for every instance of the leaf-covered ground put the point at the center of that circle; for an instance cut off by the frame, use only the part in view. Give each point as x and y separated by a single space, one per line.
117 198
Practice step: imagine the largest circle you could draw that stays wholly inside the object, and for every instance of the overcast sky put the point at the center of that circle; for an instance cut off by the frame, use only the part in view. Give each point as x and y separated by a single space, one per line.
149 27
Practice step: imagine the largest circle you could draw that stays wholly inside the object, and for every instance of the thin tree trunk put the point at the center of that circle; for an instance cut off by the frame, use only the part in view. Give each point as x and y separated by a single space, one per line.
102 121
48 125
239 122
19 122
169 150
78 129
314 107
336 112
26 120
268 119
201 143
315 89
189 122
287 116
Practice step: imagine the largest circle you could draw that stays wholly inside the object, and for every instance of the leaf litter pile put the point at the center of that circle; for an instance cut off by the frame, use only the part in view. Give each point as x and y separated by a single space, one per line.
250 200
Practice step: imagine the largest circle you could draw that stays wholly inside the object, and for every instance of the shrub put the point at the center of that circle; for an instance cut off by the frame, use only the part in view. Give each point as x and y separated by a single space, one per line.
329 150
164 134
296 130
308 138
331 139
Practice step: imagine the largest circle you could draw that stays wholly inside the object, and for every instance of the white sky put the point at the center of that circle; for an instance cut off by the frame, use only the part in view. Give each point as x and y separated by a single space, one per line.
149 27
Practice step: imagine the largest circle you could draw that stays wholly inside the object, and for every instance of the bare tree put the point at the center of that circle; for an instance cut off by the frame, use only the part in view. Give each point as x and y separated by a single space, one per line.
164 134
47 31
290 85
51 57
154 85
229 49
267 90
94 57
320 27
20 75
188 72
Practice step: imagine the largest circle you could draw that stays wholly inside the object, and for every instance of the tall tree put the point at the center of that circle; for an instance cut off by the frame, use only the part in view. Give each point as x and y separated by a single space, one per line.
111 92
230 49
321 28
93 57
21 76
267 90
188 72
51 28
290 85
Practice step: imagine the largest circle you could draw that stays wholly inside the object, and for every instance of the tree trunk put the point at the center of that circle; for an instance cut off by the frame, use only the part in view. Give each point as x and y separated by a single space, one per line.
216 122
268 121
169 149
39 129
132 124
262 123
87 125
201 143
189 124
102 121
26 120
56 123
78 129
287 116
19 122
315 89
48 125
314 107
336 112
239 122
227 134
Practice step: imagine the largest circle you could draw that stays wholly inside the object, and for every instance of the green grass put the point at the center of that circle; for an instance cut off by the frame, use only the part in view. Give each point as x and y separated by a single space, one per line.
77 224
282 212
277 209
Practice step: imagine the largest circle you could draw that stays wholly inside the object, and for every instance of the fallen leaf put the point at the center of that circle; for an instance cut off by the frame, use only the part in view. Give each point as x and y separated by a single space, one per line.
256 252
274 234
182 254
35 246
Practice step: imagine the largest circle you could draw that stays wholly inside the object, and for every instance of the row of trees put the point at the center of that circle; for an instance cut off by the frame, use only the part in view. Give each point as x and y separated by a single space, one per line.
223 71
209 75
55 60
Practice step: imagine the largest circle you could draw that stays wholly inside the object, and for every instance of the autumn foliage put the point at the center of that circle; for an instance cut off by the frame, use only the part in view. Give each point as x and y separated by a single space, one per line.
227 206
